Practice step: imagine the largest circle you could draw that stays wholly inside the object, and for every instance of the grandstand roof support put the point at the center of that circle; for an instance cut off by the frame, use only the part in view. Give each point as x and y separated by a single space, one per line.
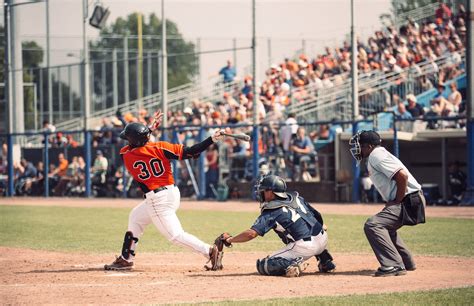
468 198
355 103
255 92
164 69
355 85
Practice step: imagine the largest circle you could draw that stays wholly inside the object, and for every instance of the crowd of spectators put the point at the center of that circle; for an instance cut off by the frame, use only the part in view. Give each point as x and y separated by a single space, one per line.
288 147
387 52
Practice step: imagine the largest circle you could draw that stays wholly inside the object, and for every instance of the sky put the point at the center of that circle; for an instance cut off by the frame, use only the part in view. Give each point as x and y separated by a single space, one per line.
216 23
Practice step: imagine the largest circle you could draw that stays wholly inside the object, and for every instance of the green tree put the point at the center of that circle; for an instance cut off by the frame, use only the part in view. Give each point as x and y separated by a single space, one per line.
181 68
32 58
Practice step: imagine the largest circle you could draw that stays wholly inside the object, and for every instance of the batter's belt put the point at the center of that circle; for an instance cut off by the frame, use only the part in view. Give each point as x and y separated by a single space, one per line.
158 190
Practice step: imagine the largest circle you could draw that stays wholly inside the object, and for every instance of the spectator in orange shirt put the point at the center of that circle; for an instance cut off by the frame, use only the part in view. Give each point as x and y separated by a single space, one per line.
59 173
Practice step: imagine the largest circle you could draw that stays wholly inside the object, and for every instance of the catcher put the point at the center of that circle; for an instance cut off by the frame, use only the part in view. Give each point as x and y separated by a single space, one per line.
296 222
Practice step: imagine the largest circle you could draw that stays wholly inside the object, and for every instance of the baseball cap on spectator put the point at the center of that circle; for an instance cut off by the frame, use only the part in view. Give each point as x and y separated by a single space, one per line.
392 61
99 152
369 137
411 97
187 110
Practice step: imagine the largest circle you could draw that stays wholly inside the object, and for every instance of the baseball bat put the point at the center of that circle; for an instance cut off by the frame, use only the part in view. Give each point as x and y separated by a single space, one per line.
243 137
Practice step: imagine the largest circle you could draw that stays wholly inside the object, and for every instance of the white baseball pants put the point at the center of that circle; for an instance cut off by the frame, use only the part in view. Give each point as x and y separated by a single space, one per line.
305 249
160 208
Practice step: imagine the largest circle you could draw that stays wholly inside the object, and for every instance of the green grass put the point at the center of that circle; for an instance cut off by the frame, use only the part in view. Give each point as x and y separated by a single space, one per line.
458 296
101 230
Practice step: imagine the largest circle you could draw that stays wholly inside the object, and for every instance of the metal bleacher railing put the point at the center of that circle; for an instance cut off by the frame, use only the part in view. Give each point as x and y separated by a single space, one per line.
178 98
375 91
418 15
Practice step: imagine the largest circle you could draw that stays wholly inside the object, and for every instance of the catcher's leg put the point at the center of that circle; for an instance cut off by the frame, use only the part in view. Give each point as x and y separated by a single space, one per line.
325 264
279 266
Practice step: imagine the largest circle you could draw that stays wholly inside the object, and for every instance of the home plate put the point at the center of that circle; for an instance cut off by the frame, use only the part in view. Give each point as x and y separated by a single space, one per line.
121 274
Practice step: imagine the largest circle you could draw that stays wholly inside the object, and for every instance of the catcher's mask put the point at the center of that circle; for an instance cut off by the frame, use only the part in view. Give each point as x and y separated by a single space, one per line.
270 182
136 134
363 137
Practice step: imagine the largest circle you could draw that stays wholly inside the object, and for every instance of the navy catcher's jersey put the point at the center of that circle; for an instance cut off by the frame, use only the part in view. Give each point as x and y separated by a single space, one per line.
287 224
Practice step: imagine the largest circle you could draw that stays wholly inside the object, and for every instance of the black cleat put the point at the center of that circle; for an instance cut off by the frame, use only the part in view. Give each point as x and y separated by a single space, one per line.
390 271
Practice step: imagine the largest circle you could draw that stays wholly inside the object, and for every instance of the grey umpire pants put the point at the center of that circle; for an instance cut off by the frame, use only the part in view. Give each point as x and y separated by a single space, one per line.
388 246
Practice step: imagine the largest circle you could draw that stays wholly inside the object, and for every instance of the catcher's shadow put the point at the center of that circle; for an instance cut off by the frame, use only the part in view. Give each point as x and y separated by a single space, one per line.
213 274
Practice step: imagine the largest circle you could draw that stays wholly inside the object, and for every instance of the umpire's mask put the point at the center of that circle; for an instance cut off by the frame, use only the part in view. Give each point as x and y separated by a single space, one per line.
363 137
355 148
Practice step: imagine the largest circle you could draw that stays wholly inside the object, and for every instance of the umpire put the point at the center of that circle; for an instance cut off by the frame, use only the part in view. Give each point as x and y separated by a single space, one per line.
405 204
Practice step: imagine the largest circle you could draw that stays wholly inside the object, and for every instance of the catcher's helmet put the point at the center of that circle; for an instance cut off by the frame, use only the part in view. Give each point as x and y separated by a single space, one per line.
270 182
136 134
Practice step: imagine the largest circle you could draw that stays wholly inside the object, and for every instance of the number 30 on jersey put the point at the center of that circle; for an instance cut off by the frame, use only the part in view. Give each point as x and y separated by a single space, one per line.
154 166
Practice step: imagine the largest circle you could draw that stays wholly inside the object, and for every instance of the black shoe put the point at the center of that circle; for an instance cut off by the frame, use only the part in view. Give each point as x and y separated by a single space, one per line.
390 271
328 267
411 268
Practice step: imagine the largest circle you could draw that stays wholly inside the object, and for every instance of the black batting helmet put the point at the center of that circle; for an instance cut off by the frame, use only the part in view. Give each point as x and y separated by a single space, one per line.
273 183
136 134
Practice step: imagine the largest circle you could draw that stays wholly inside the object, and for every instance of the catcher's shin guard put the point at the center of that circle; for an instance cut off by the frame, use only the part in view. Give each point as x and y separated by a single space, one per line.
278 266
129 244
325 264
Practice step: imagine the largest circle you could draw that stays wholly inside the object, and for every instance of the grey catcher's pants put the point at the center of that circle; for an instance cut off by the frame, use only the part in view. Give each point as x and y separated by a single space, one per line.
388 246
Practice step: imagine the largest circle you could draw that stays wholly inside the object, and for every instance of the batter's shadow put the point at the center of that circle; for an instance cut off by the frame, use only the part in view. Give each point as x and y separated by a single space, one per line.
72 270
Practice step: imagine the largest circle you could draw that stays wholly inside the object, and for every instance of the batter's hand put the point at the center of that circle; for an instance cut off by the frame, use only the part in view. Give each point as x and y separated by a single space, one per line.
218 134
157 118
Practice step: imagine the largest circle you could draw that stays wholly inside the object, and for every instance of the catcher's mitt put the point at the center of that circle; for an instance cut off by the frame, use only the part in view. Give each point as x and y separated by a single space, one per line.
221 241
217 252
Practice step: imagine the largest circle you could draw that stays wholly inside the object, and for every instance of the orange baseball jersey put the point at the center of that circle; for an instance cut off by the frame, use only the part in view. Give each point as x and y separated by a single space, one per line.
148 164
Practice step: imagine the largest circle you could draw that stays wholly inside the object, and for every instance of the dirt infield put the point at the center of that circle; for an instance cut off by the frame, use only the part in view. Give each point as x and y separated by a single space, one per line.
186 204
39 277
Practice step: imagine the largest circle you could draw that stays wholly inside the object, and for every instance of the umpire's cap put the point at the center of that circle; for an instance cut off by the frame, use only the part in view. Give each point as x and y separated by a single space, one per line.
370 137
136 134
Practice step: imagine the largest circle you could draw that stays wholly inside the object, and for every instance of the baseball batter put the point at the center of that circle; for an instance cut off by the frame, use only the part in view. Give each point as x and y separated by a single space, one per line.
402 193
298 225
149 164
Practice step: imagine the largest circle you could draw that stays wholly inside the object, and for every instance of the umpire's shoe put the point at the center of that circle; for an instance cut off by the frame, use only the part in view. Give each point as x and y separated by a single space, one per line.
119 264
390 271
